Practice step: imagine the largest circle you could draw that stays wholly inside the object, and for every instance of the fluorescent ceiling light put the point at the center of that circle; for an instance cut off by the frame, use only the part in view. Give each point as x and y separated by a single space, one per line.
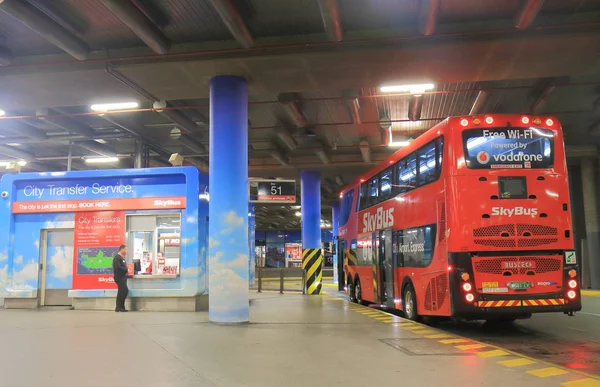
101 141
22 163
412 89
2 113
13 144
101 160
104 107
298 213
399 144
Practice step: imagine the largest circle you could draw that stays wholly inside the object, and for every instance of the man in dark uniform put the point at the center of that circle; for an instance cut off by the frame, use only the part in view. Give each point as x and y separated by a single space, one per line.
120 275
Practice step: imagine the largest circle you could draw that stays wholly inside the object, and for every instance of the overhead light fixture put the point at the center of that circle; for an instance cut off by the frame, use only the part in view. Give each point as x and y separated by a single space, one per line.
105 107
416 89
21 163
298 213
2 113
101 141
13 144
101 160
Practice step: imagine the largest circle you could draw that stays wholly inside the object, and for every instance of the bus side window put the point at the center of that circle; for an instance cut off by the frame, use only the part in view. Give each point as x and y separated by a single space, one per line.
386 184
396 255
407 173
439 151
363 196
373 191
427 163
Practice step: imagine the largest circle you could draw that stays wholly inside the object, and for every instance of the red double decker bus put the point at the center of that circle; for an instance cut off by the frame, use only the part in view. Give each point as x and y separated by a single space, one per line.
471 220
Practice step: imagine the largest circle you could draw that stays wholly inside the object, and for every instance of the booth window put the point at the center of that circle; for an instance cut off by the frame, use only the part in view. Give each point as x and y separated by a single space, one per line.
154 243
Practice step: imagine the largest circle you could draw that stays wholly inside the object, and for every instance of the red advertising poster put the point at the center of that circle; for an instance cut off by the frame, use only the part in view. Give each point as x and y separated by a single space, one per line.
98 236
162 203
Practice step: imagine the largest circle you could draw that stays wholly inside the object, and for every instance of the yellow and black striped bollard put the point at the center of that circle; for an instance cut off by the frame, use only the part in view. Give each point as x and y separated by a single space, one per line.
312 262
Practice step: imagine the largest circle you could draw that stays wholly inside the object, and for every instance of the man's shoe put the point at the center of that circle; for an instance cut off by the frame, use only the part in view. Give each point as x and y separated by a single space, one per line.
124 310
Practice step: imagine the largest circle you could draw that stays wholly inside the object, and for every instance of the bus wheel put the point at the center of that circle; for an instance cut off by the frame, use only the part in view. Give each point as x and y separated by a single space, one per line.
410 303
350 288
358 293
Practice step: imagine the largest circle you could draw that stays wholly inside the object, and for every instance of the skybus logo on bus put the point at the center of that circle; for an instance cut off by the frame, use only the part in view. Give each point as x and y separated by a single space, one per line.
517 211
380 219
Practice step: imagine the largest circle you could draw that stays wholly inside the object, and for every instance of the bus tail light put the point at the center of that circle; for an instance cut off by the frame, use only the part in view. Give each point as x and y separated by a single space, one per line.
489 120
465 276
549 122
464 122
572 284
572 273
476 121
525 120
467 287
571 294
469 297
449 268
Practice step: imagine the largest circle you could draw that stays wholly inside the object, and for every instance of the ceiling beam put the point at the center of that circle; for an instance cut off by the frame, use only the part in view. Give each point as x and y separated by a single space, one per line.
137 131
293 109
176 117
234 21
47 28
96 147
16 153
283 135
322 155
6 56
66 123
415 106
428 15
23 129
139 23
527 13
479 102
280 157
330 13
539 103
365 151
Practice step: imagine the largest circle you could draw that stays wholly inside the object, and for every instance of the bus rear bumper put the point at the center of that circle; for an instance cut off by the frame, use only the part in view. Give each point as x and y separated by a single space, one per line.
477 312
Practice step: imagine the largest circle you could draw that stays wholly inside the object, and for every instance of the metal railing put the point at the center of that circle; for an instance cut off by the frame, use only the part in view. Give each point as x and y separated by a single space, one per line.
278 278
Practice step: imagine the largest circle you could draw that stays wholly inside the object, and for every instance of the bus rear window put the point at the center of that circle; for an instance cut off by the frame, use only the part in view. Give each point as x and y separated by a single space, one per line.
510 148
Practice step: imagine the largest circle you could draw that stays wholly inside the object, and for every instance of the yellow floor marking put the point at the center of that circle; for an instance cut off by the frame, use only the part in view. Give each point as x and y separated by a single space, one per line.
424 332
454 341
546 372
412 328
470 346
583 383
439 336
593 293
516 362
494 353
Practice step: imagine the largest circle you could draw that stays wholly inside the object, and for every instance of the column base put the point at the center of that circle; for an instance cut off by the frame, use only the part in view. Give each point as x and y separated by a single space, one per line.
21 303
145 304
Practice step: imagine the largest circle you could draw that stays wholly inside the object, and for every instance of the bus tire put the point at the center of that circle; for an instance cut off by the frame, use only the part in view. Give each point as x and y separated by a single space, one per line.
358 292
350 288
409 305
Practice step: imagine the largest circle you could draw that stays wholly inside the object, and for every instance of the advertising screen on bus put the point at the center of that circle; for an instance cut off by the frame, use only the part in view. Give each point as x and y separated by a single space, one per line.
506 148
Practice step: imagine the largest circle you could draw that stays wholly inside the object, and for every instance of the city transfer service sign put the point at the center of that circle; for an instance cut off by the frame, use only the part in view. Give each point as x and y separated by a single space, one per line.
107 194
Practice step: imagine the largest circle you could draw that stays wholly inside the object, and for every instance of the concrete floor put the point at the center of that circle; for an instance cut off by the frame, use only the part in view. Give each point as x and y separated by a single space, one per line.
293 340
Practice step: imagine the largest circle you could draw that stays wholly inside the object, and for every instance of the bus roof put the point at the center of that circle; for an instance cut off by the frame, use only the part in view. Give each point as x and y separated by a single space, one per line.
462 122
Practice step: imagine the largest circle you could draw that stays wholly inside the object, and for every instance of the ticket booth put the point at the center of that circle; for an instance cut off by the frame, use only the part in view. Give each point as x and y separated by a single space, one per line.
62 230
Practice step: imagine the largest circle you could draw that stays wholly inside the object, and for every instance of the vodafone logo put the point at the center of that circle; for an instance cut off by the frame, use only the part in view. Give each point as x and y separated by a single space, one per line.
483 157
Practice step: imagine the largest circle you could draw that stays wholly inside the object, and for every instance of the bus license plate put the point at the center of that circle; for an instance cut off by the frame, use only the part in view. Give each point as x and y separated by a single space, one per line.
519 285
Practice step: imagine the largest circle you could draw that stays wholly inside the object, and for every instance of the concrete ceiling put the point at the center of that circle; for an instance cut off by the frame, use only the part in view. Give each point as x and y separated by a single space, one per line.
313 67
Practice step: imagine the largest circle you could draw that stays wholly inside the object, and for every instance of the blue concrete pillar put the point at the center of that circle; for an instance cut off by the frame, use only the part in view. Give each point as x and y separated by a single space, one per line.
312 256
251 243
228 208
335 217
